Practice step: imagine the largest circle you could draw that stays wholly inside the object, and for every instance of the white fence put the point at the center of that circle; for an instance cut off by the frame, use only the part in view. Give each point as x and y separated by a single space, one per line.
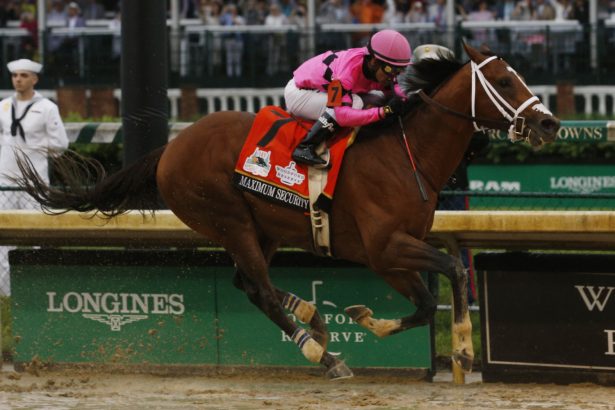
596 99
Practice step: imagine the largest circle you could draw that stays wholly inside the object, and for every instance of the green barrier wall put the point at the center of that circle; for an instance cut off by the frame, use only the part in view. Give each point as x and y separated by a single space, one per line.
180 308
567 179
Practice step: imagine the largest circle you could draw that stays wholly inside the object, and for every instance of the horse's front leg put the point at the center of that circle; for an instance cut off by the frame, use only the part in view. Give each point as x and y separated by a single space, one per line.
411 286
399 263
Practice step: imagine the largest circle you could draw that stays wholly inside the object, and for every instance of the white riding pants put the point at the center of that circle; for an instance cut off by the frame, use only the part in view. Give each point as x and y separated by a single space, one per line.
310 104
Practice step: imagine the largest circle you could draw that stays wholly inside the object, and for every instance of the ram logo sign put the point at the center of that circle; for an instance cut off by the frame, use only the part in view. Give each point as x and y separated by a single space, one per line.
495 186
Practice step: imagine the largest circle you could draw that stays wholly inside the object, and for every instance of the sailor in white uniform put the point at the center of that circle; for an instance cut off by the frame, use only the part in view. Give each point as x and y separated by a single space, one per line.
30 125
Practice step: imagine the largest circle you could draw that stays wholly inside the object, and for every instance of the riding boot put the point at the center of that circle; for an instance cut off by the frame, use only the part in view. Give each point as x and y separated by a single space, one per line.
323 129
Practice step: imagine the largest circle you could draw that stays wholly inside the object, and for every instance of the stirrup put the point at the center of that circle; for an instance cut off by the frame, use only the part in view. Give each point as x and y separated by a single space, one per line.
306 156
327 159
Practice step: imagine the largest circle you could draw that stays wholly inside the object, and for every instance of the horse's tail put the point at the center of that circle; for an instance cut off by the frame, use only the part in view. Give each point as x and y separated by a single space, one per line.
85 186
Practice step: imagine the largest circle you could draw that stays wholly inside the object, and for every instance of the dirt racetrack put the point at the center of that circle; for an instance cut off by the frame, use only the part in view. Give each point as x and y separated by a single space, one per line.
79 389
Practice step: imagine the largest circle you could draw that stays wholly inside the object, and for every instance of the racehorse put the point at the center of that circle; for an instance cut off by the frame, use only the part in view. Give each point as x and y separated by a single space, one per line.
379 215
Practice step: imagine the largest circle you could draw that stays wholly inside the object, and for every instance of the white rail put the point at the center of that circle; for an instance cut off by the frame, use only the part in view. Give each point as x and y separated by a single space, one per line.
597 99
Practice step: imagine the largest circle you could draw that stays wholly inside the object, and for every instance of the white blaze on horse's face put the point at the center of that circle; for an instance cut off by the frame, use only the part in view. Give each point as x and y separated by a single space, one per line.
517 130
536 107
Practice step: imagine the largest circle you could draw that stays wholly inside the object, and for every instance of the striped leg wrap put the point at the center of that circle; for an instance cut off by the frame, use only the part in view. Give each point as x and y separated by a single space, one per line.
304 311
291 302
310 348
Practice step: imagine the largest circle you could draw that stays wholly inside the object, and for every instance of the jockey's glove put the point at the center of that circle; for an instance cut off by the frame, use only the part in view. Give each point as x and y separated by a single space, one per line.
394 107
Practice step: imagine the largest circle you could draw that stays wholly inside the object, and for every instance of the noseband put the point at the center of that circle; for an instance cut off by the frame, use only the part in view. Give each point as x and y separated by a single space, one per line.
514 122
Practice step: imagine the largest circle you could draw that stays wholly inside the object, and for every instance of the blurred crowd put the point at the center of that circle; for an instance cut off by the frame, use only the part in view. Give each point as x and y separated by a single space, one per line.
278 12
62 48
281 12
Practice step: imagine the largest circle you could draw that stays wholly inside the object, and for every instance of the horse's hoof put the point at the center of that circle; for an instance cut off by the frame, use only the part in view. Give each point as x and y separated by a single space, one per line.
358 312
339 371
464 361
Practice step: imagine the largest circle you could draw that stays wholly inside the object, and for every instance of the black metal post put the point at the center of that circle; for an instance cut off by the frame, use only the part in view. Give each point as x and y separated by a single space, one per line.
144 81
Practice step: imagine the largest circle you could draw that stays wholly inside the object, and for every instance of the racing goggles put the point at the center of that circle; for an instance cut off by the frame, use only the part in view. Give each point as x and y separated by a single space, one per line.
391 70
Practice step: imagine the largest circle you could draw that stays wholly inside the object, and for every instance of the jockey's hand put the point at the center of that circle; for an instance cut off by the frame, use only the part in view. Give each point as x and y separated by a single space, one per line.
394 107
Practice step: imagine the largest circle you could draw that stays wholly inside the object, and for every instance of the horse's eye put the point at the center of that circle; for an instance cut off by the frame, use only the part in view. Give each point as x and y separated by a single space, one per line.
504 82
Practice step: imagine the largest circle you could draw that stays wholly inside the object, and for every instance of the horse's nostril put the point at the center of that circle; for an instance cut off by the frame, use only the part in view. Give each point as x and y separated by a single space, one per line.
549 124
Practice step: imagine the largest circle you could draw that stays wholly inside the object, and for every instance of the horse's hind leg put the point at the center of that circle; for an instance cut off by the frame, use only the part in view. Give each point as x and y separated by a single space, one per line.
252 276
304 311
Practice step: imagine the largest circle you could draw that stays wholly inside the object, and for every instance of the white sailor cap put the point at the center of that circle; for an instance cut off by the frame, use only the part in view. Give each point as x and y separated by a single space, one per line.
24 64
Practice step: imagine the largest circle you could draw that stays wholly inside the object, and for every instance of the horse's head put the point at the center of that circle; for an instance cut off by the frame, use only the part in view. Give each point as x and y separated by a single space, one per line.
501 99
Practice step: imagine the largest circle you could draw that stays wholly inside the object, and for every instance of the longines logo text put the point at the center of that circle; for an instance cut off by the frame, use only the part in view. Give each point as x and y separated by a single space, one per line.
116 309
583 184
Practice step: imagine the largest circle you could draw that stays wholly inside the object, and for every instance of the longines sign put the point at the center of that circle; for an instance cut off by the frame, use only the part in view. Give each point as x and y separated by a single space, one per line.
116 309
171 307
552 314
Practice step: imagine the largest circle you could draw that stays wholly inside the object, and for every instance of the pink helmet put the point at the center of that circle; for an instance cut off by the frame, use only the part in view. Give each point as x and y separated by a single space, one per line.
391 47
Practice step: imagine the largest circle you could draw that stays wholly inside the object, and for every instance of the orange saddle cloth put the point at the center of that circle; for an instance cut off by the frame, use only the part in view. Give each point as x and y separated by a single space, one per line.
265 166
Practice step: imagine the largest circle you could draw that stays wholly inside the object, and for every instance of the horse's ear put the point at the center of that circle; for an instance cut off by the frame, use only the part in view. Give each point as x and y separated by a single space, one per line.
473 53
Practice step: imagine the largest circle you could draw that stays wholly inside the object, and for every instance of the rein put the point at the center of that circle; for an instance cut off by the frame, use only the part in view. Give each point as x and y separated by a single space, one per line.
430 101
417 176
514 122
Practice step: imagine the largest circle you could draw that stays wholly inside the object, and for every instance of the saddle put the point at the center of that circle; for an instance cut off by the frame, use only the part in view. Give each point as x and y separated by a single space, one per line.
265 167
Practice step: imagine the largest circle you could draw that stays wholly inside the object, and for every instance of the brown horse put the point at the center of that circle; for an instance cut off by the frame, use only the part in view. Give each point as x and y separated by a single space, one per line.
379 216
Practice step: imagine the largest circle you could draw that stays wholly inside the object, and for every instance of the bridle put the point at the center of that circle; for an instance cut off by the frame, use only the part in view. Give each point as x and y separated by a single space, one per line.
514 122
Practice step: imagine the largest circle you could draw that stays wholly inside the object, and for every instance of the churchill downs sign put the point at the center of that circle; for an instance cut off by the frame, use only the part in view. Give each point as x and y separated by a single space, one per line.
575 131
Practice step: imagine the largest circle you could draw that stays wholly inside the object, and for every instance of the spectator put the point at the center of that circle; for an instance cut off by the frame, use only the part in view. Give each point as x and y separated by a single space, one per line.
480 36
73 16
436 13
417 13
27 6
368 12
254 12
300 46
116 45
393 12
505 9
29 45
482 13
298 16
562 9
211 12
233 42
332 12
276 61
56 17
3 13
580 11
287 6
92 10
68 53
524 11
189 9
605 9
12 10
544 10
30 125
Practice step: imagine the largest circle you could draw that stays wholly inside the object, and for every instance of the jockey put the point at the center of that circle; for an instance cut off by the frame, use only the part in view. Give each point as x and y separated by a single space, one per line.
326 88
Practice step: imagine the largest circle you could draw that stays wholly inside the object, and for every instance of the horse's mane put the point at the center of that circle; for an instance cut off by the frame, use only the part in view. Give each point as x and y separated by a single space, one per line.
428 74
